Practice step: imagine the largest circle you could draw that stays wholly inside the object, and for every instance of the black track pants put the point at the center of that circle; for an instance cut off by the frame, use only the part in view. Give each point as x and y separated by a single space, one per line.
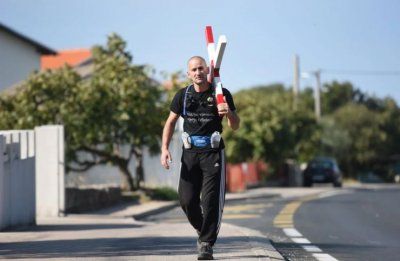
202 191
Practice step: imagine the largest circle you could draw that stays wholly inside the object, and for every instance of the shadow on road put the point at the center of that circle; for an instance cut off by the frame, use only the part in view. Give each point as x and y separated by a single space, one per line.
340 251
108 247
71 227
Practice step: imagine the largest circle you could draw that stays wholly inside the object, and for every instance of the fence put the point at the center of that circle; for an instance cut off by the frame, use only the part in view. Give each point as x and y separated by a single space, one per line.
17 178
31 175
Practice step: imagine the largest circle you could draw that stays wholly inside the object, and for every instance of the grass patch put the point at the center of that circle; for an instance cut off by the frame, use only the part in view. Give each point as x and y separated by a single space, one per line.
131 197
350 181
144 195
163 193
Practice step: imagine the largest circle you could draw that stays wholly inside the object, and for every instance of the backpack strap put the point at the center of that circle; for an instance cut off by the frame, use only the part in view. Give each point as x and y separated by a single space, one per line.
184 100
185 97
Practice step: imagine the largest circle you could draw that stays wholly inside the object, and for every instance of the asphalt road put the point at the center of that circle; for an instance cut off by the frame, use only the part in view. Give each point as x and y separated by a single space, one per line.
338 224
361 225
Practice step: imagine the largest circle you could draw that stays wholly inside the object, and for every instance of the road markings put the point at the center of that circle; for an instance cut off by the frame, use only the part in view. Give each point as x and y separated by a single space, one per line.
236 212
333 193
246 207
285 221
324 257
301 240
285 218
225 217
311 248
175 220
292 232
233 212
239 216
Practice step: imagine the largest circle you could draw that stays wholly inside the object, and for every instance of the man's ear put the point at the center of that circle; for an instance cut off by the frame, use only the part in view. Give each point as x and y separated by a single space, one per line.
208 70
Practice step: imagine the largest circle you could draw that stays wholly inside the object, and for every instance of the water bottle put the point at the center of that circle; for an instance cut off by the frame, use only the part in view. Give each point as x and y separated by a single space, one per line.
215 140
187 143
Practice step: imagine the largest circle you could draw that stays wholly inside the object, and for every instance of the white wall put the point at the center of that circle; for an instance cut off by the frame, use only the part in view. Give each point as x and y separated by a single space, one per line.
50 187
17 60
17 178
155 174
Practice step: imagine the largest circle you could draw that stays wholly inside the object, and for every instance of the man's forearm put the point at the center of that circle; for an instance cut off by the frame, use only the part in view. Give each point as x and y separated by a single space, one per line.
233 120
168 131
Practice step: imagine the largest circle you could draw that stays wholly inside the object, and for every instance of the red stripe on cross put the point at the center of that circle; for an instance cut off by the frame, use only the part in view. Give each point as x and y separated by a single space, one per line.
210 76
216 72
209 35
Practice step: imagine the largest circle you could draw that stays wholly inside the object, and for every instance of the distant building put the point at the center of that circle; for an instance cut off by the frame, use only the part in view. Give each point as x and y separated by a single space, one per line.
70 57
19 56
80 59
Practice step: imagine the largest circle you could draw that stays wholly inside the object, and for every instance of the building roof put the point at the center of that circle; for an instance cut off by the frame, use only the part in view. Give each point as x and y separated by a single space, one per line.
40 47
70 57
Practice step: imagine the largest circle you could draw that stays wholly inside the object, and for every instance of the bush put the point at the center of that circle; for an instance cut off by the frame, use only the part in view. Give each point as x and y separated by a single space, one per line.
163 193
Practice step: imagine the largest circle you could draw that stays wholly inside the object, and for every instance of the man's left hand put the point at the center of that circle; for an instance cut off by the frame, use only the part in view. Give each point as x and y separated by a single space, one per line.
223 108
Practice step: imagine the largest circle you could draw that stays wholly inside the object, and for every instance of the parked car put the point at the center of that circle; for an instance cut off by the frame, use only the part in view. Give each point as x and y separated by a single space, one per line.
322 170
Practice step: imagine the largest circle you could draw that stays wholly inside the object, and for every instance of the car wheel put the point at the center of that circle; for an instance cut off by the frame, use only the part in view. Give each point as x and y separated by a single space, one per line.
307 183
337 184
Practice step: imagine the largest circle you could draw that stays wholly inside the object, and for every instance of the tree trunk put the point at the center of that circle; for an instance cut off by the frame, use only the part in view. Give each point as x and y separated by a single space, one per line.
127 181
139 168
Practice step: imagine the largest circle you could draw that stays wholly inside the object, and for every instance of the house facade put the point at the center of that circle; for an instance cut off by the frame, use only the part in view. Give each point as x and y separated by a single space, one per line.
19 56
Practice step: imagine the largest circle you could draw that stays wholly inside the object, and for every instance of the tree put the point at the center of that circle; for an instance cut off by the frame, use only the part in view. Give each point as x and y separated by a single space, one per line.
335 141
364 130
270 130
391 126
118 107
336 95
45 98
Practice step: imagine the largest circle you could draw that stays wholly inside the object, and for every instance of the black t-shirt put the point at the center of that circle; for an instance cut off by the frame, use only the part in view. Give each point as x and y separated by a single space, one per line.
200 113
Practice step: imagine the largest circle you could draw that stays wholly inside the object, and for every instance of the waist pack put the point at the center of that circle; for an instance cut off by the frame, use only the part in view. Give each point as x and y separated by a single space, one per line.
201 141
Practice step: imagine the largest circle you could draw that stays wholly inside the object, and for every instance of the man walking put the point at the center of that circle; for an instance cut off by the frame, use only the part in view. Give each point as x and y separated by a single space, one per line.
202 175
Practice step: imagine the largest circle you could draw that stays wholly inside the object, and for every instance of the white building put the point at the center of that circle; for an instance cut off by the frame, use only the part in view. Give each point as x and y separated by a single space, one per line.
19 56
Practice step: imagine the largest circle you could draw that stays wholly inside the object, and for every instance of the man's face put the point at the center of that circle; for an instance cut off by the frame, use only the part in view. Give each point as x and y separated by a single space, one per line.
197 71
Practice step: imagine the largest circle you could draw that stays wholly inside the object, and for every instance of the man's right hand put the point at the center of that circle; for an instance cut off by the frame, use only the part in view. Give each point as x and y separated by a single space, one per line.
165 158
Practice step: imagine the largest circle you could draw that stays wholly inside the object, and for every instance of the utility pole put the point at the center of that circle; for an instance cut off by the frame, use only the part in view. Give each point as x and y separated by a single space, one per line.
317 91
296 81
317 95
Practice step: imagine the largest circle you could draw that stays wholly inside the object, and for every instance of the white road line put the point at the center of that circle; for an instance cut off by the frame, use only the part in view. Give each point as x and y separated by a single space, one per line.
301 240
333 193
311 248
324 257
296 237
292 232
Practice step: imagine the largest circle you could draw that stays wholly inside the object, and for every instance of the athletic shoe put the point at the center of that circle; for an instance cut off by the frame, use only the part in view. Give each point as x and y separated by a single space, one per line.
198 245
198 240
205 251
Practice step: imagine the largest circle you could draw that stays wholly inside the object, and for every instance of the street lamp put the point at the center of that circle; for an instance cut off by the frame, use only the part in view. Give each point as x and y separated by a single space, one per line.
317 91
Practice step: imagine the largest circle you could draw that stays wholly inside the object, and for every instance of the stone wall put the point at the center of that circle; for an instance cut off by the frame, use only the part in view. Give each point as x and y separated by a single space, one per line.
80 200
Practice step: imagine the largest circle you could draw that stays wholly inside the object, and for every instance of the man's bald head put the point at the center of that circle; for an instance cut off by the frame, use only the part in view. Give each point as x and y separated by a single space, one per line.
196 57
197 71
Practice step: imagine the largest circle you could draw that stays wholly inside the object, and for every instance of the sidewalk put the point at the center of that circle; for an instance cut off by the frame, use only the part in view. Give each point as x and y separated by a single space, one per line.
112 234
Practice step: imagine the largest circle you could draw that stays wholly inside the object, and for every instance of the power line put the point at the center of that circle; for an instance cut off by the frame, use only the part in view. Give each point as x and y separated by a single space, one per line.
362 72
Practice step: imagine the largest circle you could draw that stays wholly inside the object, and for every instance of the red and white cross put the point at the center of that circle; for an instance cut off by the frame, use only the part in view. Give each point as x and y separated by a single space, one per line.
215 59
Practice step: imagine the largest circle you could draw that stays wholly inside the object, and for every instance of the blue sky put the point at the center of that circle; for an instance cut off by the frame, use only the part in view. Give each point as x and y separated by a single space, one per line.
263 36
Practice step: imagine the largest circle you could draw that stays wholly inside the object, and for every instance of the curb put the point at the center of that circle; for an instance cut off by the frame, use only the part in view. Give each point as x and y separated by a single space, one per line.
261 247
154 211
242 197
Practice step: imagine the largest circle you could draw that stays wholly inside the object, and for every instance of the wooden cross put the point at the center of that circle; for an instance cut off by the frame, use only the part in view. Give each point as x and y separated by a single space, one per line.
215 59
